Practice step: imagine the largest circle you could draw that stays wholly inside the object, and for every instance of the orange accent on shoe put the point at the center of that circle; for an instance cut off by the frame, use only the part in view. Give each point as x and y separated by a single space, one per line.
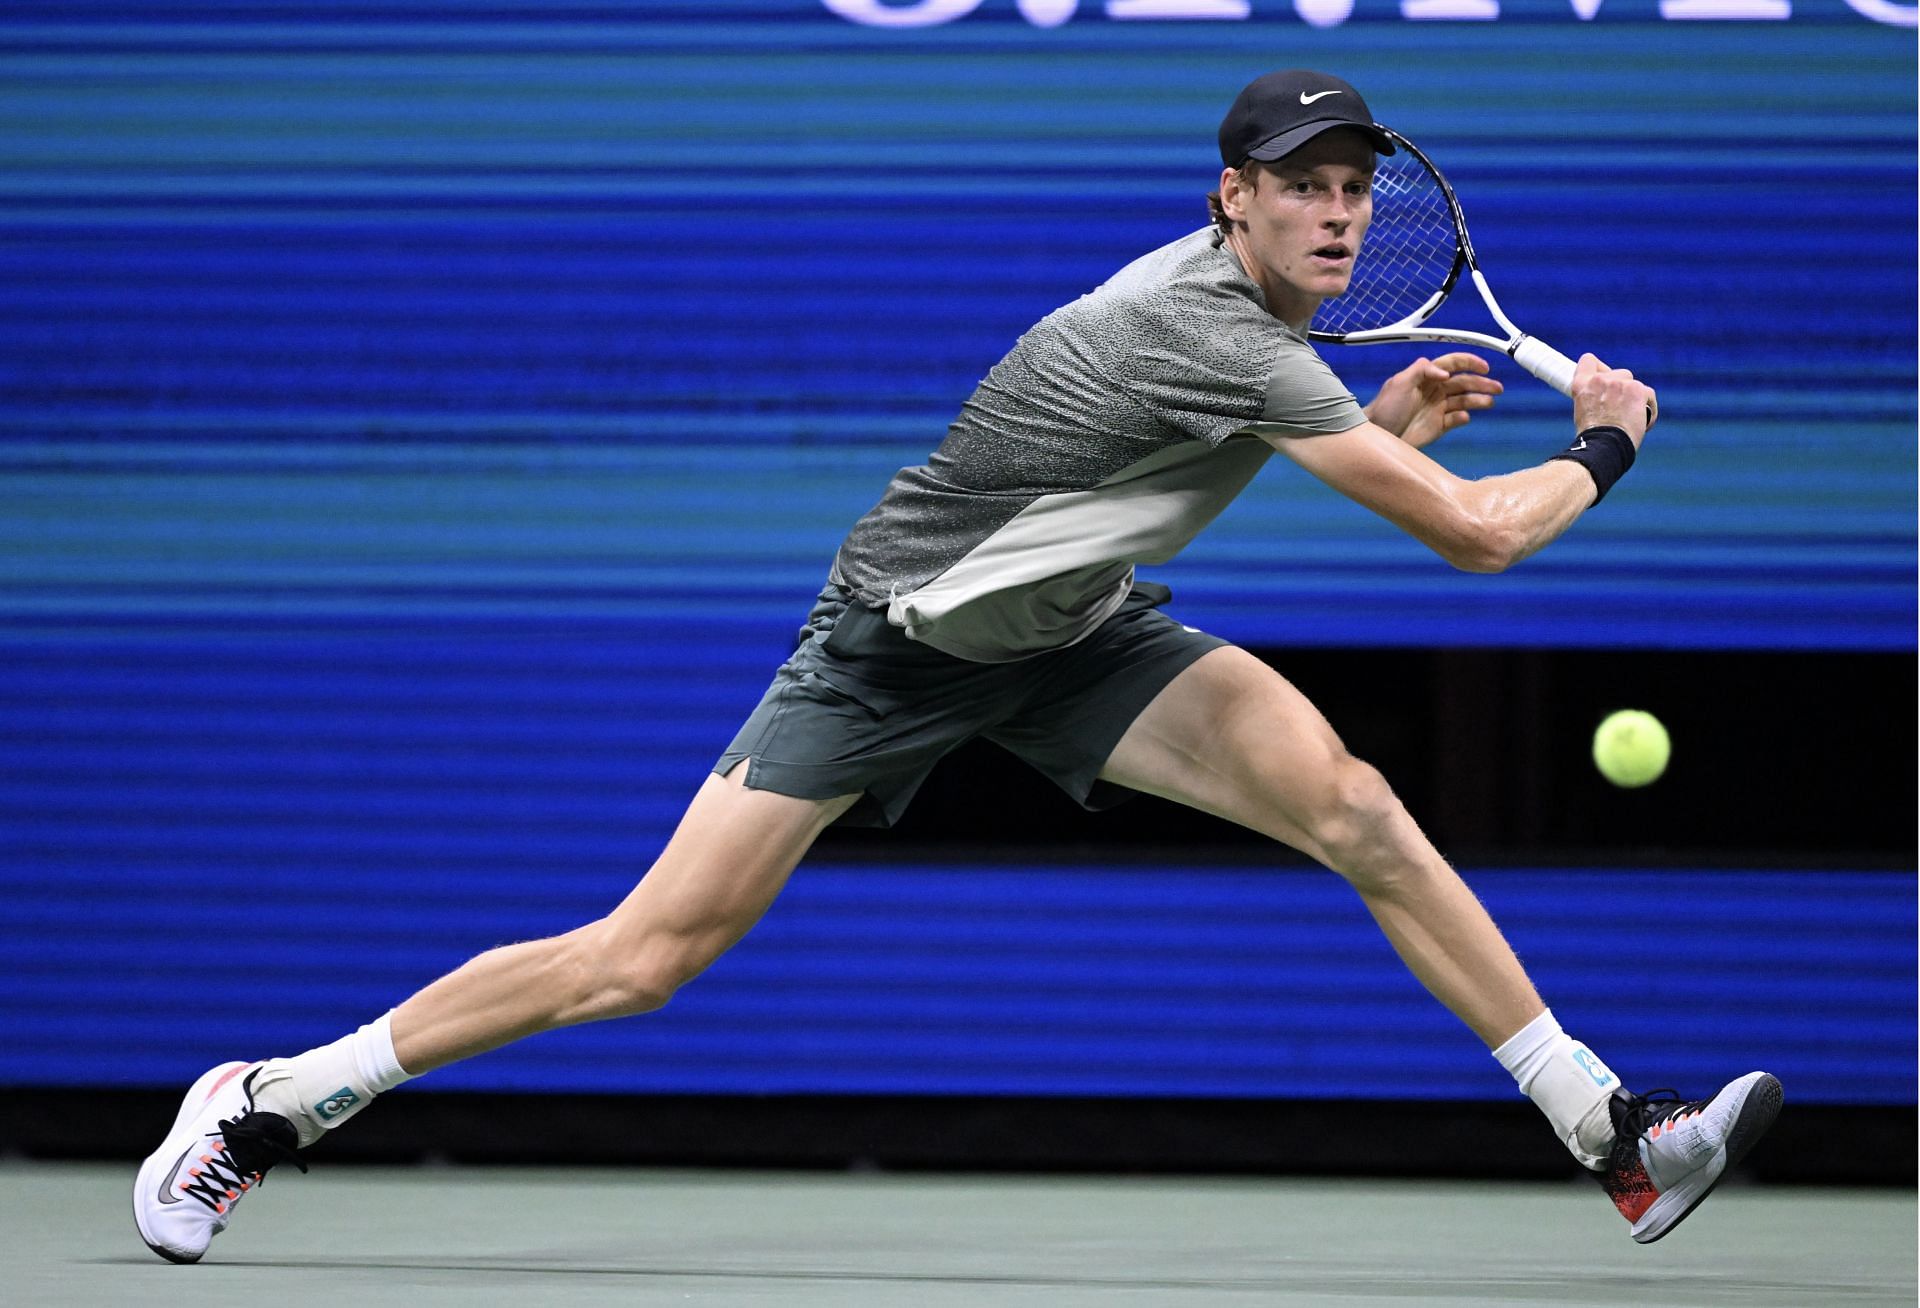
228 1076
1632 1191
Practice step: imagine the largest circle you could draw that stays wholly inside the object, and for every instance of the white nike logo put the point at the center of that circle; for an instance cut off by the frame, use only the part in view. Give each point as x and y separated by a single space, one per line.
1580 444
1317 95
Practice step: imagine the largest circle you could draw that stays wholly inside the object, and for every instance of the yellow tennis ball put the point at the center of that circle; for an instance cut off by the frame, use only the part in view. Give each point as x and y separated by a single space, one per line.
1631 748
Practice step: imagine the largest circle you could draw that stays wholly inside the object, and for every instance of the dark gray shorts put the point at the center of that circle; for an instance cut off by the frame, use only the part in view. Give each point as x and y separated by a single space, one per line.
859 707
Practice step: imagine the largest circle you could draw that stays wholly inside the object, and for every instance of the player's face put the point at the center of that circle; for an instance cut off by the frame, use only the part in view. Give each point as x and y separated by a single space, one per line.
1305 219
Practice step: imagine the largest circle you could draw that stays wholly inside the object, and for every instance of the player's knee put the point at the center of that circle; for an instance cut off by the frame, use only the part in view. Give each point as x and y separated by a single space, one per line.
660 967
1359 826
629 976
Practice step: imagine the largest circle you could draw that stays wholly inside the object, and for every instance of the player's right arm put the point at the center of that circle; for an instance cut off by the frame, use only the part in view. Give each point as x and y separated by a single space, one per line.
1486 525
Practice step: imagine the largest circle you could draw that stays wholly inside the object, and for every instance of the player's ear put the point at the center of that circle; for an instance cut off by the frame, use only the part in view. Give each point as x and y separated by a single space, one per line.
1234 185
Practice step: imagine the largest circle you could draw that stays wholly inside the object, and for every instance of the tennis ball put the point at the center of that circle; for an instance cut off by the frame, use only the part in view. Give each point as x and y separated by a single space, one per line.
1631 748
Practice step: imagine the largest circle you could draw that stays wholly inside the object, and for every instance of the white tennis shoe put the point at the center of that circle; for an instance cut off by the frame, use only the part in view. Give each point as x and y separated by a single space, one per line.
220 1148
1668 1154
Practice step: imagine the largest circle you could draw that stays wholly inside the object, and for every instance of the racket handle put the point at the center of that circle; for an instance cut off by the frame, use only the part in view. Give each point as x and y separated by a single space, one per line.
1546 363
1556 369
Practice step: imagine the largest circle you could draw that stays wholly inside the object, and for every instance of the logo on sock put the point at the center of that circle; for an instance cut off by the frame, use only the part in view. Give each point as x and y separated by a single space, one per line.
1593 1067
336 1103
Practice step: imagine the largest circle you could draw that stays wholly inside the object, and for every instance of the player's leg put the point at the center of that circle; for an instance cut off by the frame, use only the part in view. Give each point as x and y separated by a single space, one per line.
728 859
1234 738
730 856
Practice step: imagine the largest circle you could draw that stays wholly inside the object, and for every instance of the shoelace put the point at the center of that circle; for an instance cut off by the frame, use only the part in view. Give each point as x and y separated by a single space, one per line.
1647 1114
260 1134
225 1173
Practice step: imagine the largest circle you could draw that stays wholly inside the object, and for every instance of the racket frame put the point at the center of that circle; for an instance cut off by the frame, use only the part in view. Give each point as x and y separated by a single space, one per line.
1531 353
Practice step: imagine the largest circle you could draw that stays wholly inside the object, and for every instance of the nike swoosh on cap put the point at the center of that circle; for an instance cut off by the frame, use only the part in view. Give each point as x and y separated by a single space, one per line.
1317 95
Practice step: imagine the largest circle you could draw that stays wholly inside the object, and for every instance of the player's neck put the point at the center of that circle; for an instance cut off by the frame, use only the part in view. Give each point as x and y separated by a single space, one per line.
1284 301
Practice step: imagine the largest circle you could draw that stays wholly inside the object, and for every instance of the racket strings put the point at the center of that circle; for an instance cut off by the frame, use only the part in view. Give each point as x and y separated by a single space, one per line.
1408 252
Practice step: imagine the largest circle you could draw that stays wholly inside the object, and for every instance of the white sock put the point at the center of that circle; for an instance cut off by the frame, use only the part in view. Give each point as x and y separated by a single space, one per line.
1568 1082
322 1088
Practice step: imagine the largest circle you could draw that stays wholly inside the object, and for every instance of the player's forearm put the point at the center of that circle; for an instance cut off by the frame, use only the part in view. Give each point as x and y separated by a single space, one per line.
1521 513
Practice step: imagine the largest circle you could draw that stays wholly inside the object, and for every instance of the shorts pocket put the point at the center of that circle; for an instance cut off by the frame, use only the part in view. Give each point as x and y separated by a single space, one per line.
811 683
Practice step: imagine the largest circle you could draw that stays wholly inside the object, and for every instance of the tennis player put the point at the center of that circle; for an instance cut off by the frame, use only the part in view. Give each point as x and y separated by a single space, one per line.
991 592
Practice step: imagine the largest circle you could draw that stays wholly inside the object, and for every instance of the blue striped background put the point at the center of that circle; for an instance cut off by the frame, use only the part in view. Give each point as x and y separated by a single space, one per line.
403 308
988 979
422 426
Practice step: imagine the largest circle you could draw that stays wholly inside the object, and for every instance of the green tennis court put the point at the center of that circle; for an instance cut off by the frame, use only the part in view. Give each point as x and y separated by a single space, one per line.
377 1236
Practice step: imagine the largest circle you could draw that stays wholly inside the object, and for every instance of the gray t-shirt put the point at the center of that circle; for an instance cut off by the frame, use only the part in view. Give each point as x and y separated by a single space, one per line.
1115 430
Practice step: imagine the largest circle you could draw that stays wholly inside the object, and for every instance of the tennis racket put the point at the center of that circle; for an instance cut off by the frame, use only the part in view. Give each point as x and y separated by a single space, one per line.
1410 261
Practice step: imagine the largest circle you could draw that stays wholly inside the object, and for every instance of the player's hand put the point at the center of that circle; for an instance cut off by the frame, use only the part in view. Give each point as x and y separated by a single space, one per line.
1610 397
1430 397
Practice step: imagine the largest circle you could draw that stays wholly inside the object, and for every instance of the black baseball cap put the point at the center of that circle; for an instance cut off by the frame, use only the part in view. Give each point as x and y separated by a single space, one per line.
1277 114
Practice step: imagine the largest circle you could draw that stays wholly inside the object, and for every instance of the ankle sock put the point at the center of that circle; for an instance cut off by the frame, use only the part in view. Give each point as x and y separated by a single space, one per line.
1568 1082
322 1088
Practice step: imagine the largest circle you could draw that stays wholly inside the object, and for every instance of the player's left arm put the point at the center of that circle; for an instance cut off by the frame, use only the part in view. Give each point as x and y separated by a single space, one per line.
1430 397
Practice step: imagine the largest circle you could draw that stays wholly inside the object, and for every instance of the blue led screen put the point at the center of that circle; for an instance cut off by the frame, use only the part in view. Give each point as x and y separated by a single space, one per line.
354 309
992 978
422 429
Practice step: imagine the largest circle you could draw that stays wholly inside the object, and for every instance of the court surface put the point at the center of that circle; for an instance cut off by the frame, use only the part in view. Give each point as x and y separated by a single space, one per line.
370 1237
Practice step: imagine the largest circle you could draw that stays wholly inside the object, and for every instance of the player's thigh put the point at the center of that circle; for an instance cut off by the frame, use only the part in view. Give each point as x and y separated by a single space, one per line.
728 859
1234 738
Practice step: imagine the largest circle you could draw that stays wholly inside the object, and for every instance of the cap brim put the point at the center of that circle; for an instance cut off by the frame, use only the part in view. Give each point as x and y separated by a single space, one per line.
1294 137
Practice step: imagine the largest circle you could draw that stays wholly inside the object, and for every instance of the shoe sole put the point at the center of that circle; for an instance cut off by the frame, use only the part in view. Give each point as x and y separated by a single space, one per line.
191 1103
1756 1114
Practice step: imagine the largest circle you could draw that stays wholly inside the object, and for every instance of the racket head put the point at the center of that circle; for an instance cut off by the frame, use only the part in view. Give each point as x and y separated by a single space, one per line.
1412 255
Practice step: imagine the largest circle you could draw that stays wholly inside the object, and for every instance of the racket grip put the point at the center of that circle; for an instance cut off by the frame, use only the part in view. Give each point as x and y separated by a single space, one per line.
1546 363
1556 369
